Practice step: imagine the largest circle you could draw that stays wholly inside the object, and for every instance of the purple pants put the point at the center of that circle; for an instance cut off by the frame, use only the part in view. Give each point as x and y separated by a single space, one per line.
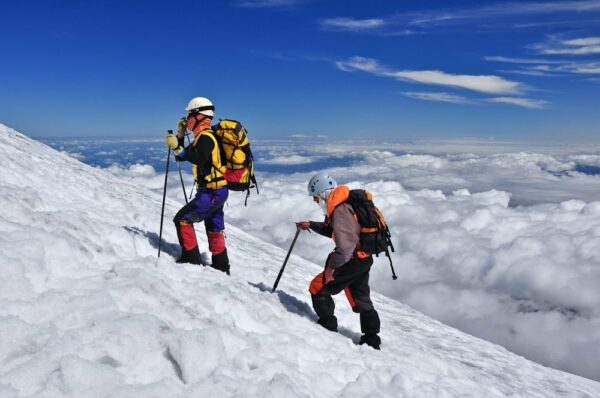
206 206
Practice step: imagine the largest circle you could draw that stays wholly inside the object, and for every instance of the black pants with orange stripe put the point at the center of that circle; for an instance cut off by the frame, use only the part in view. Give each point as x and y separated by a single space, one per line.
353 279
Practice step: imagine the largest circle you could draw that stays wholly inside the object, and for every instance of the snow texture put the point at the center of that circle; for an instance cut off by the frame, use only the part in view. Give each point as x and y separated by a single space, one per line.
86 309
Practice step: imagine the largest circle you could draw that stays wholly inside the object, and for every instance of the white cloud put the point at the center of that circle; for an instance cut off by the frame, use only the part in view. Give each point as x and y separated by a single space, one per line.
581 46
524 102
352 24
437 17
481 83
287 160
306 136
528 72
522 60
586 41
498 15
437 97
583 68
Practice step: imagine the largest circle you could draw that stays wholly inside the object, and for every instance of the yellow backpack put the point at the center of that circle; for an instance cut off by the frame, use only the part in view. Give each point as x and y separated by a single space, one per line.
236 155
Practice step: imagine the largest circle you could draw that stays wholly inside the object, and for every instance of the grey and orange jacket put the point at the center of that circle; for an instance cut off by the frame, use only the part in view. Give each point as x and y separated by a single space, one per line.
342 226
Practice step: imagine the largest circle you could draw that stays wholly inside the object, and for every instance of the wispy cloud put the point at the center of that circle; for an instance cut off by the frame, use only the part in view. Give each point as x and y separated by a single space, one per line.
586 41
499 14
523 102
481 83
544 67
351 24
581 46
437 97
436 17
510 60
578 68
527 72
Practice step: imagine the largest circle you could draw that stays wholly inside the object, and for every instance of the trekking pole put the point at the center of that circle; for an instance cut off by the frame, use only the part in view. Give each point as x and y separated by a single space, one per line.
162 212
388 237
394 277
187 135
286 260
182 184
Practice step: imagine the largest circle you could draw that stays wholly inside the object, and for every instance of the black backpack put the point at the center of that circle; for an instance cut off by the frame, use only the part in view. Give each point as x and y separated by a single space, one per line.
375 236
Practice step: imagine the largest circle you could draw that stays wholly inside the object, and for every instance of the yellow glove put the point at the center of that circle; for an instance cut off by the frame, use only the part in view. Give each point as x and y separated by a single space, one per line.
182 127
172 141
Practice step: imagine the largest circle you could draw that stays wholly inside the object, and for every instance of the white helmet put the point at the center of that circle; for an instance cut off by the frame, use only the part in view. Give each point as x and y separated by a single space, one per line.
320 183
201 105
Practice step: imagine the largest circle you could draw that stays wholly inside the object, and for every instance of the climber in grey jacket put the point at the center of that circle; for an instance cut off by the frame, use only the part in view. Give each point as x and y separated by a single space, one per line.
347 266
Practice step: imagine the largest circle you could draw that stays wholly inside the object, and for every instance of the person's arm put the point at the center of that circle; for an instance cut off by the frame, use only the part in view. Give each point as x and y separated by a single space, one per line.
321 228
347 235
200 153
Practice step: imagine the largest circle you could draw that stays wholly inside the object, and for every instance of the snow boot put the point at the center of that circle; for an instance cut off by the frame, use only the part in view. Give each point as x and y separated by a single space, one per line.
329 323
221 262
190 257
370 325
372 340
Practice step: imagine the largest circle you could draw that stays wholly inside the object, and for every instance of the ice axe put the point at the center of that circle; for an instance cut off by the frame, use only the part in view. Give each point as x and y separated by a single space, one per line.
286 259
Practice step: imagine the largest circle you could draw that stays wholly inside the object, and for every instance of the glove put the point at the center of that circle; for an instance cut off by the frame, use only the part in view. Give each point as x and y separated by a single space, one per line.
182 127
173 143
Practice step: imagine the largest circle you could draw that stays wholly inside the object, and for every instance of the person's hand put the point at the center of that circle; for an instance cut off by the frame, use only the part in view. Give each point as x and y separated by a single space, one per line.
329 274
303 225
182 127
172 141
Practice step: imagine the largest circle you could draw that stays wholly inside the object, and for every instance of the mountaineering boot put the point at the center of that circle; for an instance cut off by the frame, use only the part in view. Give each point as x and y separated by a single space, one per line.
369 325
329 323
324 307
371 340
221 262
190 257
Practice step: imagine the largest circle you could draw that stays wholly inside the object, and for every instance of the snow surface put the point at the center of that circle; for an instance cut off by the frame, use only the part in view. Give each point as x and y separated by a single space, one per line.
87 310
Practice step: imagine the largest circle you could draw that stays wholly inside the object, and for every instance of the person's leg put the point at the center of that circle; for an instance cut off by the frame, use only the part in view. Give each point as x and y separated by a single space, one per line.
323 304
215 226
359 296
186 234
321 293
195 211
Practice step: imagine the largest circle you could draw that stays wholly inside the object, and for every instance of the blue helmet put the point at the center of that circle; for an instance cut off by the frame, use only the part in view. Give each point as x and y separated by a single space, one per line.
320 183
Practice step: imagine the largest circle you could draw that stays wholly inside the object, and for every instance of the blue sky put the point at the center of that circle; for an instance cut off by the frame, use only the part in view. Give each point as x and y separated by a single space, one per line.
391 70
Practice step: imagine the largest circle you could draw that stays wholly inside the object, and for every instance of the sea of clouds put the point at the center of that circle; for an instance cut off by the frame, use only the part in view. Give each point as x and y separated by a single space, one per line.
500 241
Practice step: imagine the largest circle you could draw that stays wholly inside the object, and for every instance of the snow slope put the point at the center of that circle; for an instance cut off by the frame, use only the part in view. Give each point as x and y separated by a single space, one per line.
87 310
